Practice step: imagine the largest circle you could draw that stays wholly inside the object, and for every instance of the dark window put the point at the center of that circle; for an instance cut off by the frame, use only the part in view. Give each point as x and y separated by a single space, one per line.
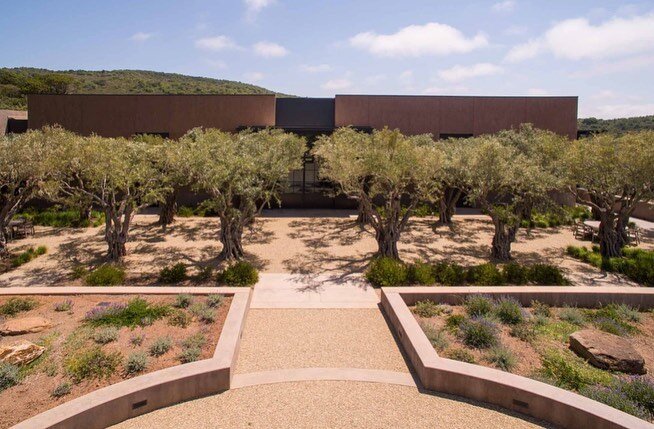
454 136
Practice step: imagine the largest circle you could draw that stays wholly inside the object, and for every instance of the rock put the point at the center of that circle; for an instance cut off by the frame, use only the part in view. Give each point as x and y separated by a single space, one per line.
26 325
20 353
607 351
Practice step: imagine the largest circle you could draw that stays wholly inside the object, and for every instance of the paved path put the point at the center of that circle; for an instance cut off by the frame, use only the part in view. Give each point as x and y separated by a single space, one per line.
317 352
311 291
303 338
329 404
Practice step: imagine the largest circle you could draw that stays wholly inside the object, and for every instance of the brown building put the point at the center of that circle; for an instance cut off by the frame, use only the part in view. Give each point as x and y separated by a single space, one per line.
173 115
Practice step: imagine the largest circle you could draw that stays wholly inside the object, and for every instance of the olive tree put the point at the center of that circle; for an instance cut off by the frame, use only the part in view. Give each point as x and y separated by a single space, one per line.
25 170
119 176
243 173
382 170
171 162
455 172
612 174
507 179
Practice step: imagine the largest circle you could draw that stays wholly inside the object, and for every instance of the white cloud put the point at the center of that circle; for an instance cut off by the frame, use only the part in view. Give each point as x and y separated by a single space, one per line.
606 94
504 6
269 50
216 43
253 7
318 68
406 80
140 37
578 39
254 76
418 40
336 84
610 111
616 66
524 51
458 73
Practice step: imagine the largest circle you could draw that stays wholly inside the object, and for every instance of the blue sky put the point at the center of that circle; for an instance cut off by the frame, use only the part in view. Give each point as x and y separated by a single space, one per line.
602 51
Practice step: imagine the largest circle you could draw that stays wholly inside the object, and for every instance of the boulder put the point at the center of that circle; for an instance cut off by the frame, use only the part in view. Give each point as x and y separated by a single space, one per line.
20 353
607 351
26 325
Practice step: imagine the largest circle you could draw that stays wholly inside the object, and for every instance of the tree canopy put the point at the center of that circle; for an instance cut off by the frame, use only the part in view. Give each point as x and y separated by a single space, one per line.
118 175
612 174
26 167
381 170
242 173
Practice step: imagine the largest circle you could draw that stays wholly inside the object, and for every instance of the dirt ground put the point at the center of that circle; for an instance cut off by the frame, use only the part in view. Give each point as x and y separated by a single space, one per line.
292 241
528 355
33 394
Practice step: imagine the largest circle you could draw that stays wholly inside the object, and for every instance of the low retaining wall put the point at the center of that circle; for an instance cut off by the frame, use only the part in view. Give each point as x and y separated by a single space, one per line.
145 393
520 394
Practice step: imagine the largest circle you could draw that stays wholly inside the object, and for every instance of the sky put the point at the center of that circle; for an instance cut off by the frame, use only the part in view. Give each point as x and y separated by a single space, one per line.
601 51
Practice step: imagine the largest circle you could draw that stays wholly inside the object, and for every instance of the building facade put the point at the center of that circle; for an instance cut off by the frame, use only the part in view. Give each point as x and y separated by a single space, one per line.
173 115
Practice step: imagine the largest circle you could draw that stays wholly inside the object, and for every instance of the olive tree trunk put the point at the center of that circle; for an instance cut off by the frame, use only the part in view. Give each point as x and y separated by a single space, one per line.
387 239
447 205
85 214
501 246
4 250
117 232
168 209
231 235
609 238
363 218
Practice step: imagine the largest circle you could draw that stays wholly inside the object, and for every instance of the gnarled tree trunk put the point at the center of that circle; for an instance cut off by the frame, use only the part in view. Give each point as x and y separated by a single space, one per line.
609 238
168 209
116 233
501 246
362 217
387 239
4 250
85 213
231 234
447 205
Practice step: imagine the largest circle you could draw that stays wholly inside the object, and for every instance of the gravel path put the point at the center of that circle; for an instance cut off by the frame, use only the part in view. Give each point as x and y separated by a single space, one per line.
300 338
328 404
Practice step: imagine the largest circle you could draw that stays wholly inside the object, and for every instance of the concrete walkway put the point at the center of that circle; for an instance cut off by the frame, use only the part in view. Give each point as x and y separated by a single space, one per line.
317 352
310 291
330 404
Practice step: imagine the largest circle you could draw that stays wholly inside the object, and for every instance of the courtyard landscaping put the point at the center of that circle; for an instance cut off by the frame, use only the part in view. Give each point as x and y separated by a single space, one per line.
57 348
605 354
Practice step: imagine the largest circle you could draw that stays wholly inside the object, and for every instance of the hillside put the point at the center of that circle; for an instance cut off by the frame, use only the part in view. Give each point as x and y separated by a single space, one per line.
15 83
619 126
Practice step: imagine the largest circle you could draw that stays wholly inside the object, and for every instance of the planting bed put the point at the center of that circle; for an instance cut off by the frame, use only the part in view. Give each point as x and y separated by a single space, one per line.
534 342
89 332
